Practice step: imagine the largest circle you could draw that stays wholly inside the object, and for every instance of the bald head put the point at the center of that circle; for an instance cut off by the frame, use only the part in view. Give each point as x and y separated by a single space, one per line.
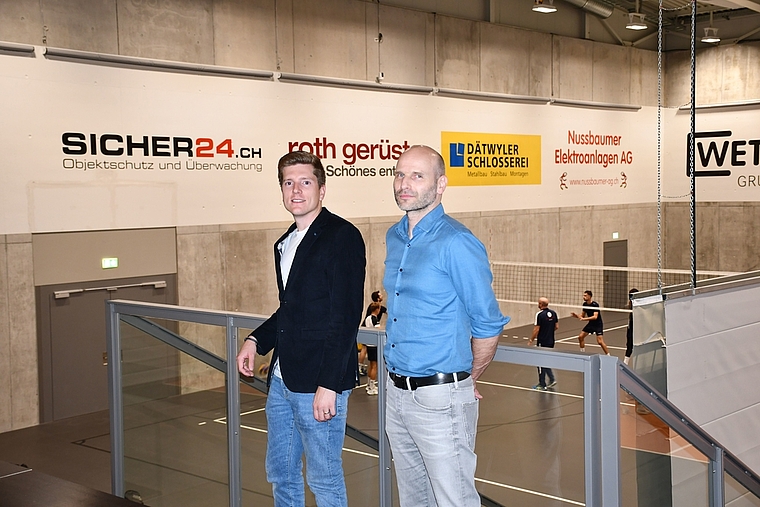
419 182
543 303
427 156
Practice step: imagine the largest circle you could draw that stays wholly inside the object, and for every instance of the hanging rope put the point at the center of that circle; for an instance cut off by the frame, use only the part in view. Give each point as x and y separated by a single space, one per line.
692 110
659 149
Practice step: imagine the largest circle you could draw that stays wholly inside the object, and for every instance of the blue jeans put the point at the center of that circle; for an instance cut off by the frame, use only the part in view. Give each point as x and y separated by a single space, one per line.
294 432
432 435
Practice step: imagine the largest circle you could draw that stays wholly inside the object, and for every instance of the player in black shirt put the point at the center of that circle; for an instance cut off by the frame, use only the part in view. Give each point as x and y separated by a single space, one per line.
544 326
593 316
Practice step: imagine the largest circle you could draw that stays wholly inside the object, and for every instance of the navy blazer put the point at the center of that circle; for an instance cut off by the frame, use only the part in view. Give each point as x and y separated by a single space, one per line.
313 332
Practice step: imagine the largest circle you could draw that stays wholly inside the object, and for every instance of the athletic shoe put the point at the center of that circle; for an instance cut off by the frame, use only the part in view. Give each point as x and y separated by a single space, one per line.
551 384
539 387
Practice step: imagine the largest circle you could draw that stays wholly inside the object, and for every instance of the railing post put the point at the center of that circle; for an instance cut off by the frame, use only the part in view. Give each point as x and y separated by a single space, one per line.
113 350
716 480
609 434
233 416
384 450
591 422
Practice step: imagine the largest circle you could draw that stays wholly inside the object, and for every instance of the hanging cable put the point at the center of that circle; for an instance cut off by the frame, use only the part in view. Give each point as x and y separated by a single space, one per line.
692 111
659 149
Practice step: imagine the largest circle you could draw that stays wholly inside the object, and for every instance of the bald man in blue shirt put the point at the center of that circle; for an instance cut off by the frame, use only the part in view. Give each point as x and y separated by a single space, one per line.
443 328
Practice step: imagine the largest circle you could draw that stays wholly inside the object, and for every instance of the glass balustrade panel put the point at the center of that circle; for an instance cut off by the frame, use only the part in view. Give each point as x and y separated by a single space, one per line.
175 436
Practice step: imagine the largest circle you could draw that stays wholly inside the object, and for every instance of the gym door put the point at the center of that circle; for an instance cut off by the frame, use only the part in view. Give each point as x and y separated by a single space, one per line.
73 362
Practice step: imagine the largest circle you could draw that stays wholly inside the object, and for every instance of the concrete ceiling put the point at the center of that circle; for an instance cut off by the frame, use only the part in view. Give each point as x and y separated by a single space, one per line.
737 21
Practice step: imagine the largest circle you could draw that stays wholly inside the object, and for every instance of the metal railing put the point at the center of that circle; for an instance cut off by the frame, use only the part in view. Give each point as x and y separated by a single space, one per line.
602 378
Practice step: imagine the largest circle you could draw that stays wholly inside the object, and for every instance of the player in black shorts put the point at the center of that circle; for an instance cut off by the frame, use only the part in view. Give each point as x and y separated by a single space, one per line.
544 326
593 316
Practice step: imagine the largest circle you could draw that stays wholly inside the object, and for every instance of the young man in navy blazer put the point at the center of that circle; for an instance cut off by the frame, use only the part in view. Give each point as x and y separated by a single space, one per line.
320 263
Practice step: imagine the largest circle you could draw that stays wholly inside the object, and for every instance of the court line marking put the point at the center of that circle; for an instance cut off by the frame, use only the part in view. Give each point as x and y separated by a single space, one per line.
522 388
523 490
223 420
556 393
588 344
572 338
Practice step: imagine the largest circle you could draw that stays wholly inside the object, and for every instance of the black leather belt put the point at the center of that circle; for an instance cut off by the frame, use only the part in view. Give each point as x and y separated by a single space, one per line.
412 383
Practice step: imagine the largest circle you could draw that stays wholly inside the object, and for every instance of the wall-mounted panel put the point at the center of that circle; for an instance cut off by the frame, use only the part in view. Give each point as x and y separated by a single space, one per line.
78 256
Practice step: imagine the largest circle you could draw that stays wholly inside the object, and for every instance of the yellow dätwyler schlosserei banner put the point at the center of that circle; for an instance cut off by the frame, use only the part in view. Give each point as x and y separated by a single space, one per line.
491 159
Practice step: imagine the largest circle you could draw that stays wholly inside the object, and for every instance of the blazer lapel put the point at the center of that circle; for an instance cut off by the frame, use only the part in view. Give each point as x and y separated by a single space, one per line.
278 257
306 243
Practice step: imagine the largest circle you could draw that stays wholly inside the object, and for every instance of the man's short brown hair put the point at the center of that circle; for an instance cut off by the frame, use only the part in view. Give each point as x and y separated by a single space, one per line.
302 157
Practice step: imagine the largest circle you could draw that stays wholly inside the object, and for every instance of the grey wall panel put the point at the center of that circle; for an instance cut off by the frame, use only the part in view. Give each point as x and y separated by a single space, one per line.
90 25
21 332
21 21
611 74
713 349
515 61
375 241
6 415
523 236
407 51
725 431
738 246
284 32
573 69
727 238
725 74
329 38
457 46
644 78
200 280
245 34
76 256
168 30
248 270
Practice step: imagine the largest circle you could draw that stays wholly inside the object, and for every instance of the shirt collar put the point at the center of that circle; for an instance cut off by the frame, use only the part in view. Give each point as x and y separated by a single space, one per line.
424 225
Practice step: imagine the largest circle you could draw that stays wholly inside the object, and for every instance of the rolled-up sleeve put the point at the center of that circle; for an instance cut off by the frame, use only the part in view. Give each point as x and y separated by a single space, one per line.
471 277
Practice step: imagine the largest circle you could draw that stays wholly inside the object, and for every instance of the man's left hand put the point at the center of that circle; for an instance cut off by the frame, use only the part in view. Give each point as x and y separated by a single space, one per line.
324 404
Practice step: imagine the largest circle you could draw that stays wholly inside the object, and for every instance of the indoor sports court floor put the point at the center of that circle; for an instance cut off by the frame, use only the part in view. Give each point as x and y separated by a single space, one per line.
530 443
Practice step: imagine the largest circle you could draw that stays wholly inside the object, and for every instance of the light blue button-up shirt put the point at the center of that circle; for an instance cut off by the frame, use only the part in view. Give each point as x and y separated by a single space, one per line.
439 296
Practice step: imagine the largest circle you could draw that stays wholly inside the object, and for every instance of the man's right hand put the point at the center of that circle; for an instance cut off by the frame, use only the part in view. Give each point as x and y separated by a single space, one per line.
245 358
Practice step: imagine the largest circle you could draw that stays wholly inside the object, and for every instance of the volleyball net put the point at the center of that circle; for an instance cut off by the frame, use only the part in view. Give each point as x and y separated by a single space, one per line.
564 284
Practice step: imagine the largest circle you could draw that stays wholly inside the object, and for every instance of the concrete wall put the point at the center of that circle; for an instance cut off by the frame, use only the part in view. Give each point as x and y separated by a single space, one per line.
724 74
231 267
340 38
19 395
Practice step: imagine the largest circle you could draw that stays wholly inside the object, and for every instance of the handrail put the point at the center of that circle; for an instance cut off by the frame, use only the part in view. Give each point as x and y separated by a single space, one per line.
603 375
369 337
663 408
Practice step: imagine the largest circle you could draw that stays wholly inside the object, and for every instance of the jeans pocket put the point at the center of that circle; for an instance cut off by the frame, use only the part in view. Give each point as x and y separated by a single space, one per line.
435 398
470 411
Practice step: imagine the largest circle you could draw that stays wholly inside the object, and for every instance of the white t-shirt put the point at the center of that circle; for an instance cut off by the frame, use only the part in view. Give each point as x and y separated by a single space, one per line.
288 248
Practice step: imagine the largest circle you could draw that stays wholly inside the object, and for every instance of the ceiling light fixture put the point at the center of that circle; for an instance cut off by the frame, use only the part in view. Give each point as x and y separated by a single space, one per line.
544 7
636 21
711 33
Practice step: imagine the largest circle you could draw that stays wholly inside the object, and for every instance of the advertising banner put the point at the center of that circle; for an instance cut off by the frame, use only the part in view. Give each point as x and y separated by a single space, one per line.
92 146
726 154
